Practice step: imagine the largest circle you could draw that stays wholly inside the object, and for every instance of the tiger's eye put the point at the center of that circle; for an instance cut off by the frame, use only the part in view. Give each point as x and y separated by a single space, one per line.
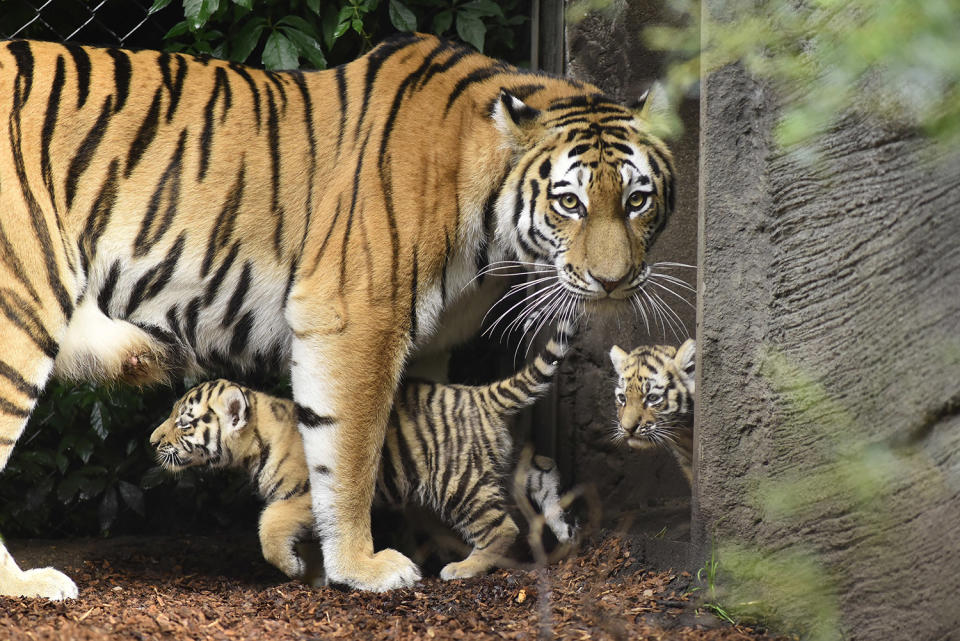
637 199
569 201
621 399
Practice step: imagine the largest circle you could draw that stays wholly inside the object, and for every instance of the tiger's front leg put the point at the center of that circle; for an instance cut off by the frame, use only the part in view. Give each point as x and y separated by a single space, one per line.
344 373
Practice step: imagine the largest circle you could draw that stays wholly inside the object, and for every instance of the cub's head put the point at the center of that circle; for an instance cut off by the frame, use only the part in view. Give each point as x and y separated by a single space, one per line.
202 427
587 193
654 393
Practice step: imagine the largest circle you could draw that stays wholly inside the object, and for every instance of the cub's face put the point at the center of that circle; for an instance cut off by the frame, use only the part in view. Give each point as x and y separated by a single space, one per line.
588 198
202 427
654 394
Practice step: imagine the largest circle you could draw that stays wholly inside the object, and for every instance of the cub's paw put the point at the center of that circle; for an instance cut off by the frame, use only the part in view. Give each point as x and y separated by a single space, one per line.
42 582
385 570
463 569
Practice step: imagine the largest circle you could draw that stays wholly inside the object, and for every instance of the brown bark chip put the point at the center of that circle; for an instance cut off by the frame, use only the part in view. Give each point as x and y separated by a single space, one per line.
213 589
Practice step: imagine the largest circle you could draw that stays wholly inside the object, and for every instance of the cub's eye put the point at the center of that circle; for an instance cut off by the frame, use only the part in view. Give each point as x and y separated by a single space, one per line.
638 202
654 399
570 202
621 399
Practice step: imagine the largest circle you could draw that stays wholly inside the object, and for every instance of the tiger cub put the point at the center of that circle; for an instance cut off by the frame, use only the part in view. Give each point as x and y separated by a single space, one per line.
447 447
655 399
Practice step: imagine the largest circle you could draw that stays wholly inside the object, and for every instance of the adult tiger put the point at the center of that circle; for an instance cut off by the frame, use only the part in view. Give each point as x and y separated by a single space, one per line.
161 212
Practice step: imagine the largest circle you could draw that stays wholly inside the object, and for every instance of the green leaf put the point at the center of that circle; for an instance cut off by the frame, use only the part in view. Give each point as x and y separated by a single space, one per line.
298 23
343 22
481 8
279 52
314 5
401 17
157 6
178 29
197 12
357 25
329 24
152 478
132 496
246 4
84 449
69 486
107 512
62 462
471 29
442 22
243 44
309 48
96 421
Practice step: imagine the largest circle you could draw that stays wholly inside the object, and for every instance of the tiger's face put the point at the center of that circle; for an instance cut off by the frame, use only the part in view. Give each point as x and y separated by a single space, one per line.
202 427
654 394
588 196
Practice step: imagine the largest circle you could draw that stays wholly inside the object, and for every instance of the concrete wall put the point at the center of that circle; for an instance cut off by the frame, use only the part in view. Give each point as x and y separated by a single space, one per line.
640 492
829 375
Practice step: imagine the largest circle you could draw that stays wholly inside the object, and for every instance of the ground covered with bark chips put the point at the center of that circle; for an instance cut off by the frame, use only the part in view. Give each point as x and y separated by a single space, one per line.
220 588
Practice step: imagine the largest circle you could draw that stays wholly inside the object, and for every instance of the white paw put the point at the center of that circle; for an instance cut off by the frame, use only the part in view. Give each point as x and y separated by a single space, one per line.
42 582
385 570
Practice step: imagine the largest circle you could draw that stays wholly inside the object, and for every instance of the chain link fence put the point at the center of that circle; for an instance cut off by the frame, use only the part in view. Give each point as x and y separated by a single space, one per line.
124 23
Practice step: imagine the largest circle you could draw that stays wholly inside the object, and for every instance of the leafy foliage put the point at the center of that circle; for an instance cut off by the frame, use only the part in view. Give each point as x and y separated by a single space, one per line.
284 34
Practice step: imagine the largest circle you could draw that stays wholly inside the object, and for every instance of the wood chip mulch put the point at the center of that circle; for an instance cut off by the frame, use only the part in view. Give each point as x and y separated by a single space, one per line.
204 588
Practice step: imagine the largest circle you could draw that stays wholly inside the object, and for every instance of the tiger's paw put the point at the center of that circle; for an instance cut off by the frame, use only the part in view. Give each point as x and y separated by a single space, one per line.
46 583
385 570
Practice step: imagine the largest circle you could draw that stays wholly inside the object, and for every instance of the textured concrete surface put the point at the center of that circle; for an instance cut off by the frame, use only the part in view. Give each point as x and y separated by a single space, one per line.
829 373
641 492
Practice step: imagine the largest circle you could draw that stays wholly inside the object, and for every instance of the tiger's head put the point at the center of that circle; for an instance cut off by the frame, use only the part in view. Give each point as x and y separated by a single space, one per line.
587 194
654 394
203 427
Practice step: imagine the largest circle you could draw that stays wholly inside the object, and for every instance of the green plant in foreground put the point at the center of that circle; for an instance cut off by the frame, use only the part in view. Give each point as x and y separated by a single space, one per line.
893 59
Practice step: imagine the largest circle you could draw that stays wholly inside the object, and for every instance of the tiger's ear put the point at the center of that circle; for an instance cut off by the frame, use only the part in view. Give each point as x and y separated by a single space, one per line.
619 358
685 361
515 119
233 408
652 104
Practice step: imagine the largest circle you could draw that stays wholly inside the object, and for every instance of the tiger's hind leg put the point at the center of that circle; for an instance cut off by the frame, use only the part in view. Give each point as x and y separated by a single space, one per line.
27 349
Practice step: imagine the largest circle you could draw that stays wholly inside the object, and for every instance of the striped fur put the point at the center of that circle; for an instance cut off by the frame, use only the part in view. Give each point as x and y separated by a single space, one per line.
447 447
655 391
161 213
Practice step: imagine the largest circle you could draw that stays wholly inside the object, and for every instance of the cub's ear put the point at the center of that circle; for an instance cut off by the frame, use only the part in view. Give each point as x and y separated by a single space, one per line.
685 361
515 119
619 358
233 408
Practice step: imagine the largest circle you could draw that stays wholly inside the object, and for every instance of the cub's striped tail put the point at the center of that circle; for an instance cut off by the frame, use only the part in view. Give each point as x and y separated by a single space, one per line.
521 390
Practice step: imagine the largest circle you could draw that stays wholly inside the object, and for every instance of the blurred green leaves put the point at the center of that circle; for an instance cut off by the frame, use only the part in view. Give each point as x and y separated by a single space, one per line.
285 34
896 59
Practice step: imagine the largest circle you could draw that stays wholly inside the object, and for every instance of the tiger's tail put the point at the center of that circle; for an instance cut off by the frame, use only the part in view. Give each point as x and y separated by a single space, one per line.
510 395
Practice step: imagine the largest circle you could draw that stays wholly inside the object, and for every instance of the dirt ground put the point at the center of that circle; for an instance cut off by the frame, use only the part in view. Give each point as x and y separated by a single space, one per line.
220 588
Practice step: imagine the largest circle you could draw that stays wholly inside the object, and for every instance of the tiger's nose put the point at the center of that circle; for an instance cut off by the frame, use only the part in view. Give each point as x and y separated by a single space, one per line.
608 285
155 438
